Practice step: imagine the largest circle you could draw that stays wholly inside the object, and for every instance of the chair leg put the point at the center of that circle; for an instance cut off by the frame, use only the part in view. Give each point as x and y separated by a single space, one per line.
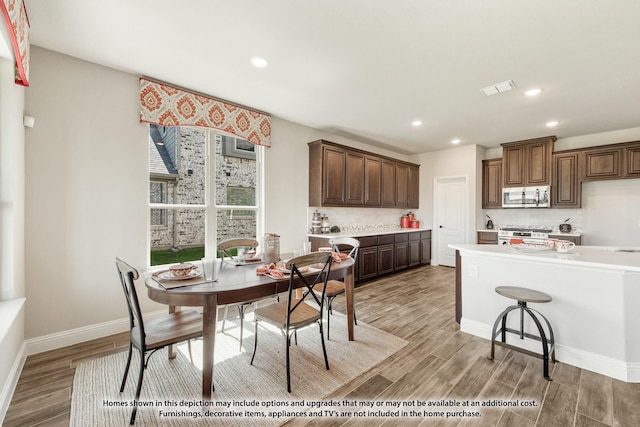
126 368
241 308
190 353
324 349
287 343
255 343
224 316
138 387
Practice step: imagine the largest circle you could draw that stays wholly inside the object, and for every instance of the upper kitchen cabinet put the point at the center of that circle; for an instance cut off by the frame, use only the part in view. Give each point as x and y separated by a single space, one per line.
566 189
632 154
344 176
604 162
492 184
527 163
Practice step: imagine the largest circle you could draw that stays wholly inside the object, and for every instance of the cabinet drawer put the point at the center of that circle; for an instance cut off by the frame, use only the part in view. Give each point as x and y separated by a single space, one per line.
402 237
425 234
368 241
385 239
414 236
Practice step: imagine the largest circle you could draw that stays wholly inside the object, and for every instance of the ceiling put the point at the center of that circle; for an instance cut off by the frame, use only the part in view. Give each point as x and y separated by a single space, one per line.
365 69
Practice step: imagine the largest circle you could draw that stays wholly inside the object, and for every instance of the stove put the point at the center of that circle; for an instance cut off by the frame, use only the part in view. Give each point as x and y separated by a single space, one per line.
524 234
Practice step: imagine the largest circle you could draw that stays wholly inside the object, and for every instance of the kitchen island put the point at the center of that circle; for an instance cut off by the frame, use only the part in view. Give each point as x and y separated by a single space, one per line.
594 312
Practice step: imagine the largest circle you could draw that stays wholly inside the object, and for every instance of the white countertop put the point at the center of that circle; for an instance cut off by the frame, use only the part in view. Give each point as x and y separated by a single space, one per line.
574 233
364 233
586 256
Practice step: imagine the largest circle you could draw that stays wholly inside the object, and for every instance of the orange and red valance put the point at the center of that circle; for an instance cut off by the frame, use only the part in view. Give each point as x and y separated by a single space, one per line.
166 105
15 16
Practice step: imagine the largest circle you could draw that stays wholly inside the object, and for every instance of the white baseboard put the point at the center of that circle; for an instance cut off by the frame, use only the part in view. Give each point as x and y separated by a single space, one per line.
12 380
78 335
618 369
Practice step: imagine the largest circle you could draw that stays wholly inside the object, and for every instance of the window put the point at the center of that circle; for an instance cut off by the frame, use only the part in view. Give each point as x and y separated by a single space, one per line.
198 195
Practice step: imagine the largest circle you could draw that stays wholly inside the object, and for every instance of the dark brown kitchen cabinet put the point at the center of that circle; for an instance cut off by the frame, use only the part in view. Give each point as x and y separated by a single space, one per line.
414 188
388 194
372 182
492 184
527 163
632 155
566 189
487 237
385 254
344 176
354 184
414 249
602 163
402 185
368 258
425 247
401 249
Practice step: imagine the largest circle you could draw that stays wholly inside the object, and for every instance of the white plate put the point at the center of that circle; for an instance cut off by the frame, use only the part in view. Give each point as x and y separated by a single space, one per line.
166 275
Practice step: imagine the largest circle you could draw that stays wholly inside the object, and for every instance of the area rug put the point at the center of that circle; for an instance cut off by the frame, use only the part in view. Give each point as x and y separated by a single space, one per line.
245 395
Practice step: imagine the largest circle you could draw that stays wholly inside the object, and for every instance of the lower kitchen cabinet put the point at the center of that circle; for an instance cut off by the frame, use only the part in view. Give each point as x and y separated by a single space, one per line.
487 237
387 253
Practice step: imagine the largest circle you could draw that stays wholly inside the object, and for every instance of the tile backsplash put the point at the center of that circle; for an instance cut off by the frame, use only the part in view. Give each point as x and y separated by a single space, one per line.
357 217
534 217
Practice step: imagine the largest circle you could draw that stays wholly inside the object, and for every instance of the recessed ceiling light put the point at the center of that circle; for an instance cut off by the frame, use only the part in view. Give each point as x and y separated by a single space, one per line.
455 141
533 92
416 123
552 123
258 61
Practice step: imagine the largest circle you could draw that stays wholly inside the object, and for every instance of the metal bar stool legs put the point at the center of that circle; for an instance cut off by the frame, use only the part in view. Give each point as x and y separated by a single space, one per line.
522 295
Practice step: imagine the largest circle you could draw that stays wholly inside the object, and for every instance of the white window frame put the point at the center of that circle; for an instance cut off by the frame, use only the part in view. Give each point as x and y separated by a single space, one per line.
210 208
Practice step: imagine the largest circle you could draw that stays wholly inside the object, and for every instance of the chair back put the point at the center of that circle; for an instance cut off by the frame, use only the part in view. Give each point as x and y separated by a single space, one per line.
128 275
349 241
295 265
229 244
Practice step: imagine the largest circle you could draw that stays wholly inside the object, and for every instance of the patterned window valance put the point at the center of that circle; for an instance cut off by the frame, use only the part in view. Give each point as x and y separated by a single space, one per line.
15 16
166 105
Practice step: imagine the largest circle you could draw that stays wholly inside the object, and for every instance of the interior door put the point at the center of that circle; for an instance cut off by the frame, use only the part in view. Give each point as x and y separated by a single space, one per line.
451 211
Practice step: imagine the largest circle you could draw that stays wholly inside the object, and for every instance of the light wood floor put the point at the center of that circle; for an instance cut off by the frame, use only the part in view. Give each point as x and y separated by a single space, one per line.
440 362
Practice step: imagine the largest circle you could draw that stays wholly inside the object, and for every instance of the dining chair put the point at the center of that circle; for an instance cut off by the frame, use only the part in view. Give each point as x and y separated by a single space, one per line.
337 287
152 335
226 248
296 313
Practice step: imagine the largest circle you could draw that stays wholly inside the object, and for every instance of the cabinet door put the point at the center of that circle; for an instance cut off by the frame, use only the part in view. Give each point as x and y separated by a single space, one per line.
601 163
538 168
355 179
368 260
385 259
334 176
414 252
566 190
402 185
414 187
372 171
388 193
492 184
513 161
402 256
633 161
425 251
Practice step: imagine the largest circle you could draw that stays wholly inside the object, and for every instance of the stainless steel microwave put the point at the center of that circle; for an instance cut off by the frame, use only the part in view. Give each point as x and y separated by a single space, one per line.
526 197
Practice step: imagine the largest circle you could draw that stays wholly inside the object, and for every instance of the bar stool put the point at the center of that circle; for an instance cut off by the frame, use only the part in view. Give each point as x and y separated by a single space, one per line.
523 296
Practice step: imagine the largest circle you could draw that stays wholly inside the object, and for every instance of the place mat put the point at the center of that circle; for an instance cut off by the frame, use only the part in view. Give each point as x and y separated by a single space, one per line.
97 402
197 279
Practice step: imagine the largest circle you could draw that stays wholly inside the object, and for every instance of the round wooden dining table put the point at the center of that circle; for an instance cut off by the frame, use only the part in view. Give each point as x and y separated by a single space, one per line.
235 284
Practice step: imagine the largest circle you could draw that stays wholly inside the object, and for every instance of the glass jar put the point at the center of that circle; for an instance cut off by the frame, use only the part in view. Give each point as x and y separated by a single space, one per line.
271 248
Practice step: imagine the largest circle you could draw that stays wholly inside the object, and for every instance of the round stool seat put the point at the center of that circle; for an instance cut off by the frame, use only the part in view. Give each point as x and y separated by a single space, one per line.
523 294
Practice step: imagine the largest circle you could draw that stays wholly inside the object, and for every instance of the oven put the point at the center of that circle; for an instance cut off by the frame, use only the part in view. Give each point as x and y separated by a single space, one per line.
523 234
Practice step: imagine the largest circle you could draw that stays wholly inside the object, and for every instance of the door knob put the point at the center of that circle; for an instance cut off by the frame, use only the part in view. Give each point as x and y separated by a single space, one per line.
441 226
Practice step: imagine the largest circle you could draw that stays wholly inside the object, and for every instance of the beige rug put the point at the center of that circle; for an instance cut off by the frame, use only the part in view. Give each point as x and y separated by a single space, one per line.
244 395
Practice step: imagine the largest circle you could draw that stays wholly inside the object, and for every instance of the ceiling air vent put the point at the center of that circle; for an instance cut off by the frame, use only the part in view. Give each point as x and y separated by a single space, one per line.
498 88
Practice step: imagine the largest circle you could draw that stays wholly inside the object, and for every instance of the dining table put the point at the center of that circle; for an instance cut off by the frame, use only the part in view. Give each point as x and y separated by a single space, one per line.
235 284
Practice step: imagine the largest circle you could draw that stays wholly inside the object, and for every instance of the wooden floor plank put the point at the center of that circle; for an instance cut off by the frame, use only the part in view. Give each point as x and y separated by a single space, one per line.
559 407
596 397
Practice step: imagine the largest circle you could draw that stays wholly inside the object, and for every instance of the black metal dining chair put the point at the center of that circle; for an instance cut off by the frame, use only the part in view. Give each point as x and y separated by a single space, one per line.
150 336
295 313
